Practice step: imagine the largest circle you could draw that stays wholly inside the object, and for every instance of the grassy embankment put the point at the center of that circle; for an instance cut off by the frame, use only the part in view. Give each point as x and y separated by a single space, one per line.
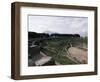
56 48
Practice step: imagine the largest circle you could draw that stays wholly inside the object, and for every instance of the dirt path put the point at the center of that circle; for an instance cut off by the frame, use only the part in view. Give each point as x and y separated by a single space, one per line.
43 59
78 54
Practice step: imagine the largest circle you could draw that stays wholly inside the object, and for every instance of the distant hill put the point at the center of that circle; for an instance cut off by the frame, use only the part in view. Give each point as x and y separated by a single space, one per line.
49 34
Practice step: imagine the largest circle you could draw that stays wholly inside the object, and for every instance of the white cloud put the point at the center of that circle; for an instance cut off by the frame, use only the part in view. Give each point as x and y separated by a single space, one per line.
59 24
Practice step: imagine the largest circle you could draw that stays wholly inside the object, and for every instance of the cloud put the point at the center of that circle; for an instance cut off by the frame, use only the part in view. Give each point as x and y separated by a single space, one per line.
59 24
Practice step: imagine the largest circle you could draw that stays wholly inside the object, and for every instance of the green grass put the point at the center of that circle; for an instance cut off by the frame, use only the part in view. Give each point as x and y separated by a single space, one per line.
59 58
56 48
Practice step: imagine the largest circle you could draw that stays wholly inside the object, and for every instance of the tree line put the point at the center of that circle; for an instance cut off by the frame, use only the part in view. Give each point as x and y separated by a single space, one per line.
54 35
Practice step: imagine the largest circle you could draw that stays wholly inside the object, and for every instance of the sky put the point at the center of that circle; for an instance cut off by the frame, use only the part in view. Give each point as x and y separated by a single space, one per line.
58 24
